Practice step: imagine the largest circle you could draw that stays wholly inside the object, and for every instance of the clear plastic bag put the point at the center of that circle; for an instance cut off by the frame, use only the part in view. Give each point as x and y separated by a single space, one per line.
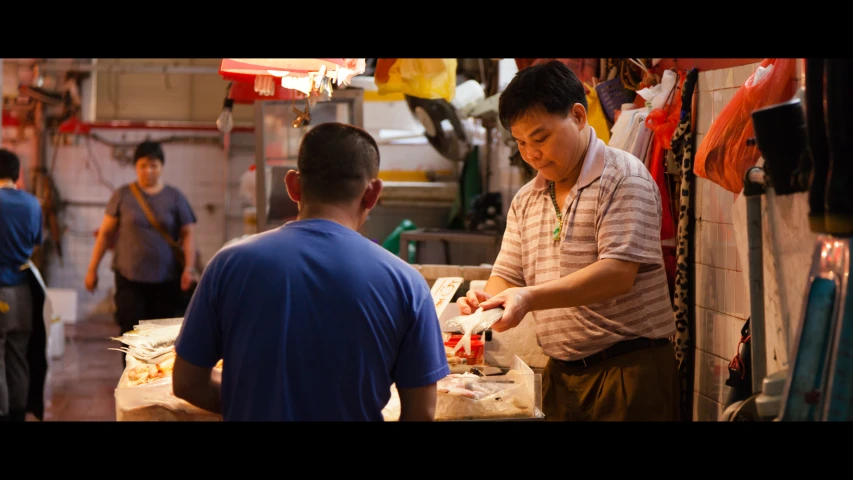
469 397
517 394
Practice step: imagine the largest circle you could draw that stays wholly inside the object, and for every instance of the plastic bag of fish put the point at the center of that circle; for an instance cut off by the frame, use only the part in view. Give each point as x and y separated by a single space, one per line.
471 397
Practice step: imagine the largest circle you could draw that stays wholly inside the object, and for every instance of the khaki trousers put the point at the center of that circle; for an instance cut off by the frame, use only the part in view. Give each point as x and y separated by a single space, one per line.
638 386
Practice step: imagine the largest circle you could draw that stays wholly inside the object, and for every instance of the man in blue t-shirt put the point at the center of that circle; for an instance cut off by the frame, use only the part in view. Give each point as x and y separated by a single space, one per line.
313 321
20 233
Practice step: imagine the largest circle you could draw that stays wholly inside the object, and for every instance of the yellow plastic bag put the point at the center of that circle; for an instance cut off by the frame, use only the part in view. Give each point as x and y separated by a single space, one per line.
429 78
595 115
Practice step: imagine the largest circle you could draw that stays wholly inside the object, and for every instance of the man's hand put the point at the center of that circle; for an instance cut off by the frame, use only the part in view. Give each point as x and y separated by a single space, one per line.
516 304
187 280
471 301
200 386
91 280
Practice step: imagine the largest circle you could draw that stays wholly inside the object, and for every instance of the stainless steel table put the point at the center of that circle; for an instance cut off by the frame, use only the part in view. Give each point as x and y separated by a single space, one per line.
490 241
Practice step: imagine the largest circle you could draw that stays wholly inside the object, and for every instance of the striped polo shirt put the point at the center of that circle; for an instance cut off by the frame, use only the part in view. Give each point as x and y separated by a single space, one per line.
613 211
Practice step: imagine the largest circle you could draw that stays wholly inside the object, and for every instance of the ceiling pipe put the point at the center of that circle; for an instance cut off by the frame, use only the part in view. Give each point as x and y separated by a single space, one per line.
77 66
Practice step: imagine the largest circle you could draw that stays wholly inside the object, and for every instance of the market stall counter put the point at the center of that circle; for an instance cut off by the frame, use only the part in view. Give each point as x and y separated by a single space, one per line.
475 390
144 391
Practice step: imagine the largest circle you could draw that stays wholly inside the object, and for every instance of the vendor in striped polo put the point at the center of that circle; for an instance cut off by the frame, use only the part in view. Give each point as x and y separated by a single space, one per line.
582 253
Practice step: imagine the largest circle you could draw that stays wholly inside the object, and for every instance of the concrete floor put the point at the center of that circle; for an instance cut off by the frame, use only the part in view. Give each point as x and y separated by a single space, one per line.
80 384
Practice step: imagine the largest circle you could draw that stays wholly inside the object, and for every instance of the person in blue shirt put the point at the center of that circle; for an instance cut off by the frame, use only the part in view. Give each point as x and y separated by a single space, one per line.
313 321
20 233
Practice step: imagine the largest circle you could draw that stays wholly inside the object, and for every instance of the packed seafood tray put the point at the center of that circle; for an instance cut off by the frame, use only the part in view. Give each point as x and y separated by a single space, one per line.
144 391
152 400
514 395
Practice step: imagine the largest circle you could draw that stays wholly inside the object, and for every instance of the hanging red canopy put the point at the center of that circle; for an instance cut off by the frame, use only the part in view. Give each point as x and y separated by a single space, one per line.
245 73
242 92
246 69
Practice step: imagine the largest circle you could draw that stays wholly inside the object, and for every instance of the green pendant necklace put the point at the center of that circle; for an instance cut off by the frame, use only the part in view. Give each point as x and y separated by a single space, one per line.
559 226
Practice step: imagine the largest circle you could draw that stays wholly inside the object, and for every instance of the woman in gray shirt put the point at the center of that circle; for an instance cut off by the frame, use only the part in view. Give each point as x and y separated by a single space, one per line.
152 274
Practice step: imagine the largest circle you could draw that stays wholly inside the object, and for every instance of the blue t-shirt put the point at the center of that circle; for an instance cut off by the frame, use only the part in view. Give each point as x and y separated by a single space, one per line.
20 232
313 322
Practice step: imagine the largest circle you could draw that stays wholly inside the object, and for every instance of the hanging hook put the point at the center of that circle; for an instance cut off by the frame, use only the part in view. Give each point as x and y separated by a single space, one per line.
302 117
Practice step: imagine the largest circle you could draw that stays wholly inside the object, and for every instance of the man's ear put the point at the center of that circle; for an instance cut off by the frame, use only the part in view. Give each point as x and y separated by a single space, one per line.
580 115
294 189
371 194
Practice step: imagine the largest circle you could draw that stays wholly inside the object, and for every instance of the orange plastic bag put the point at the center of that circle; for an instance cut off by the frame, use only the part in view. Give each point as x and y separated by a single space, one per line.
662 122
724 156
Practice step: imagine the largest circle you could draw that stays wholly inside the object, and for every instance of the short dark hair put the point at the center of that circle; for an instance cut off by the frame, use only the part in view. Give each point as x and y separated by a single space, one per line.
550 85
149 149
10 165
335 162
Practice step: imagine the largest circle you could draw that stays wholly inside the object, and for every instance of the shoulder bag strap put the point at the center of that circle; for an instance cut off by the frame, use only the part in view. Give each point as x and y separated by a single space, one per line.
134 188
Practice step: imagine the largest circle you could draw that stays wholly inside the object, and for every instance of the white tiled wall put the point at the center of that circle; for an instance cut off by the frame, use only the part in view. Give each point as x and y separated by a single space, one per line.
721 282
722 304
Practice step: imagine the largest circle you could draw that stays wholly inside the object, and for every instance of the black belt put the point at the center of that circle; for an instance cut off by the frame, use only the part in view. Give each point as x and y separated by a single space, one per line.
615 350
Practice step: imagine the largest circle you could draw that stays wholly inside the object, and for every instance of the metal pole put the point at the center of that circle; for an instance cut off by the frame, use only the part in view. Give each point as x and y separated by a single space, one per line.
487 168
226 186
175 68
754 188
770 196
89 92
260 170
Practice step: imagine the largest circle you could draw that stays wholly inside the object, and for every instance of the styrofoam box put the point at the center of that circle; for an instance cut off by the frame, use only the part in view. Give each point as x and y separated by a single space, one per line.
56 340
64 303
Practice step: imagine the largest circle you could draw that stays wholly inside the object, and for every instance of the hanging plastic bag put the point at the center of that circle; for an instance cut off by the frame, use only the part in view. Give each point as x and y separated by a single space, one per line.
724 156
595 115
429 78
248 181
662 121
